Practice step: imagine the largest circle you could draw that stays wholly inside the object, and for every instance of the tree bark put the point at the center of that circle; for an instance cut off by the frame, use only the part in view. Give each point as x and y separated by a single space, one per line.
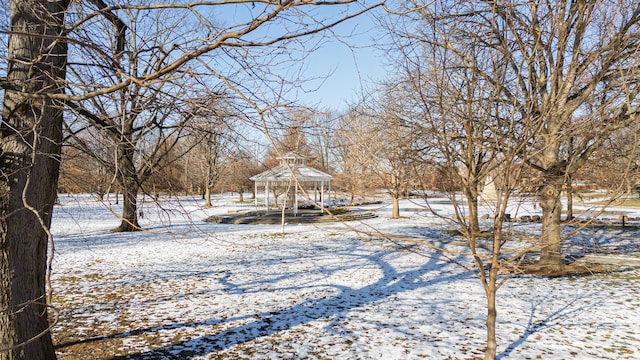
30 138
551 254
395 212
207 197
492 316
569 199
128 181
472 201
7 318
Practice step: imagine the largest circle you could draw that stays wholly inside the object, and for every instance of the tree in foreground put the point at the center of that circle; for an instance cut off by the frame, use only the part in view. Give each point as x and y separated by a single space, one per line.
30 137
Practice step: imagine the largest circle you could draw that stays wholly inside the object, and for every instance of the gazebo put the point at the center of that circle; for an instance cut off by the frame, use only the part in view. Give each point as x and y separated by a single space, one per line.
290 174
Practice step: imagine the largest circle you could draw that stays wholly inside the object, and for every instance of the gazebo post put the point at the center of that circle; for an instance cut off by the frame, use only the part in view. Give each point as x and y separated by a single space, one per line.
255 198
266 196
295 201
322 196
315 192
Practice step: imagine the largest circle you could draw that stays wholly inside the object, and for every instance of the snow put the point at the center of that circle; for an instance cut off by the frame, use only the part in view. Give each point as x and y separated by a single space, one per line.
190 289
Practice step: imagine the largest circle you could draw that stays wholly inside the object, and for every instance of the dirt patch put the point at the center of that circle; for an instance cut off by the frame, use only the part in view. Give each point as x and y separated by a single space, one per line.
583 269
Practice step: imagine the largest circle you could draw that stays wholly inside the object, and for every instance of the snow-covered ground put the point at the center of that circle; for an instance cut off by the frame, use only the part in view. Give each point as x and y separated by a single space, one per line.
189 289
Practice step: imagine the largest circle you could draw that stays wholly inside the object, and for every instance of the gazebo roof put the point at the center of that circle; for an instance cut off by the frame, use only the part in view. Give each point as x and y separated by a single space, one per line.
282 174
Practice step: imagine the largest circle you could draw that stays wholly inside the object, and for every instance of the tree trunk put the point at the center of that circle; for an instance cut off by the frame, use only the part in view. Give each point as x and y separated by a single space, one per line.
30 137
7 318
492 315
241 196
395 212
472 201
551 254
207 197
207 183
128 181
569 199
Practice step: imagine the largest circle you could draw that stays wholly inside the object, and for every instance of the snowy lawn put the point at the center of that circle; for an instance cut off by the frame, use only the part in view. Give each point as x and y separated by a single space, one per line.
188 289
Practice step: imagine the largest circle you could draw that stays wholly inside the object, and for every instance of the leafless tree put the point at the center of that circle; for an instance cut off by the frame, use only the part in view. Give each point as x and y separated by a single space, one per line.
242 165
210 142
355 171
385 139
144 123
616 165
395 138
81 173
454 115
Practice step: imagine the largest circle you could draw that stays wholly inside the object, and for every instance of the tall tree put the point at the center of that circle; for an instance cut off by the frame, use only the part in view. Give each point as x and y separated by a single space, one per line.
355 169
241 167
210 143
394 134
30 138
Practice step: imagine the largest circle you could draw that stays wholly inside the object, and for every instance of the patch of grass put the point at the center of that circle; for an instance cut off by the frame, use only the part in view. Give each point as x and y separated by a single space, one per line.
338 211
626 202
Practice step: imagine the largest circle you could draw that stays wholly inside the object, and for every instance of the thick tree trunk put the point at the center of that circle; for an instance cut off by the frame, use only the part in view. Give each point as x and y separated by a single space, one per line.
128 181
553 178
241 196
472 201
207 197
395 212
551 254
30 137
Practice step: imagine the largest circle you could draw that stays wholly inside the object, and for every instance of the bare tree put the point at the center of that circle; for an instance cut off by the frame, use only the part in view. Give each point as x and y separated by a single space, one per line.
144 123
211 141
454 115
392 142
81 173
241 167
616 165
355 172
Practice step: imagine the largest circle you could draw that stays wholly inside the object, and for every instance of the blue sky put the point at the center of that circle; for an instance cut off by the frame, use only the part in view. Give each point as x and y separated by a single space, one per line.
346 58
352 64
